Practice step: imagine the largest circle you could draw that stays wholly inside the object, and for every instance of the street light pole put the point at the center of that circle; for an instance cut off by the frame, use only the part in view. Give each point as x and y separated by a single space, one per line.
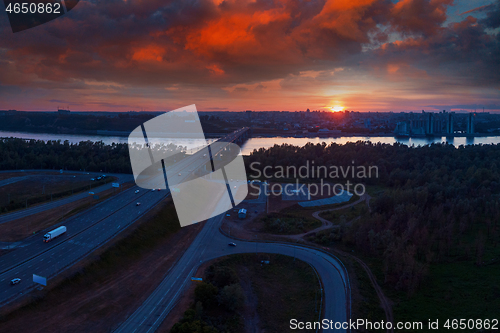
256 244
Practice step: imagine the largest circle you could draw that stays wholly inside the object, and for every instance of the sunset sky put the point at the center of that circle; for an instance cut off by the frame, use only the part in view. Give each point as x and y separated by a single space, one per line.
366 55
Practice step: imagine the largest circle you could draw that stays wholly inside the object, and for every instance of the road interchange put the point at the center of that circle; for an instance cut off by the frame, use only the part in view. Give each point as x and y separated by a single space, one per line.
91 229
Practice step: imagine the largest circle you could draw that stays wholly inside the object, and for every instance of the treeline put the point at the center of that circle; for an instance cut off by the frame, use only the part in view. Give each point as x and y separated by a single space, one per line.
436 203
19 154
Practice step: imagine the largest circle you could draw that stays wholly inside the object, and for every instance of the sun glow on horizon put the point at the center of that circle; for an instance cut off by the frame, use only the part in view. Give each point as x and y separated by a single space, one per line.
337 108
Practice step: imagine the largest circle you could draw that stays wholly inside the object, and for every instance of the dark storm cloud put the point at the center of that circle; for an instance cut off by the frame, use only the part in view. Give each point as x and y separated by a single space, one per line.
492 19
463 51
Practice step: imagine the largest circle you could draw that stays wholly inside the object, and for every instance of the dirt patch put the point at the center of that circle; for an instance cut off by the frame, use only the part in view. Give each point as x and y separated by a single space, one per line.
19 229
235 226
100 298
250 314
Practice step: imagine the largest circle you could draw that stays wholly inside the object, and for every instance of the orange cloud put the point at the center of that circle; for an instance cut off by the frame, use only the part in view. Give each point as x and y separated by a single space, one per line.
149 53
233 34
419 16
215 69
392 68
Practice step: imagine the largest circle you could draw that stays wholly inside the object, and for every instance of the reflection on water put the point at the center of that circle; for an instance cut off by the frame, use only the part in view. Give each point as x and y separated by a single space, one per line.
256 143
192 145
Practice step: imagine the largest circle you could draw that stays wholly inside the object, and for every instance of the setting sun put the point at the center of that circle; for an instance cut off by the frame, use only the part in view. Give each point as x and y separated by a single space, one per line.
337 108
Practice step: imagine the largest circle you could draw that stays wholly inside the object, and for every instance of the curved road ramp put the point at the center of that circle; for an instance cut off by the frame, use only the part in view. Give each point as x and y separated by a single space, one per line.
211 244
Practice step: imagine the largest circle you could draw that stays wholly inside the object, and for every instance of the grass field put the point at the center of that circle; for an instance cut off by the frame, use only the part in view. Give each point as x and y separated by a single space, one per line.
289 223
345 215
21 189
365 302
274 294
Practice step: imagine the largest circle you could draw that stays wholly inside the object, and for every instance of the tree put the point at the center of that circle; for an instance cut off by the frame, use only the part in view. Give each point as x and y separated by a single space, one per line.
232 297
221 276
206 293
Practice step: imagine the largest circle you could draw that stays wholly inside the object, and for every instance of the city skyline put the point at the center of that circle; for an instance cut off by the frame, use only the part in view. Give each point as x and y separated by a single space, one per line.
369 55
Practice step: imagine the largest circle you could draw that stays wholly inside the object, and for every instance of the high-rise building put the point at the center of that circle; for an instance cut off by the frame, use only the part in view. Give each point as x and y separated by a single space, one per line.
470 123
402 128
449 123
430 123
249 115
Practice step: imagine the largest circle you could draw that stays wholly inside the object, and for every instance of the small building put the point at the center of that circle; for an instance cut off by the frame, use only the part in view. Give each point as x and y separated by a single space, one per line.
242 213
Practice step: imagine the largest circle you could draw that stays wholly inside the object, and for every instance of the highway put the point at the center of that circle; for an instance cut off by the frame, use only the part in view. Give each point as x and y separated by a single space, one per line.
86 232
89 230
121 178
211 243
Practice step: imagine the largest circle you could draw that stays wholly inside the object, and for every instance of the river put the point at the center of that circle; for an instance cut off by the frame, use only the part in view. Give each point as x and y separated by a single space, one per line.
256 143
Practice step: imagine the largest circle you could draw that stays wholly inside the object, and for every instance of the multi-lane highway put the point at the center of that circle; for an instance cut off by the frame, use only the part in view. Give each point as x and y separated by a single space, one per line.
86 232
94 227
211 243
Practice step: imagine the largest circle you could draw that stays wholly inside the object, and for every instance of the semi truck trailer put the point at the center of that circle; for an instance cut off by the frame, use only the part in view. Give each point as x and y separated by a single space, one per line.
54 233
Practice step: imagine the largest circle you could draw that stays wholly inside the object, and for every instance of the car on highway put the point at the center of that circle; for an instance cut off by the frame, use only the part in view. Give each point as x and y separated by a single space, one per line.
232 244
138 204
136 191
15 281
180 174
152 190
92 179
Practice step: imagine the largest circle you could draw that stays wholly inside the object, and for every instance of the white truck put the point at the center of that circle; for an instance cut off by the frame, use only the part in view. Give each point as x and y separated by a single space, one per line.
54 233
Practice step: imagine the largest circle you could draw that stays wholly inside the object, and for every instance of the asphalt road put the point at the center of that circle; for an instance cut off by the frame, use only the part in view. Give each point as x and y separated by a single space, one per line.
122 178
92 228
210 244
86 232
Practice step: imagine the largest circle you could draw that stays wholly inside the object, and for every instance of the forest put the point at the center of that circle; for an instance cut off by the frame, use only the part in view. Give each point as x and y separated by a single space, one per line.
433 204
20 154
